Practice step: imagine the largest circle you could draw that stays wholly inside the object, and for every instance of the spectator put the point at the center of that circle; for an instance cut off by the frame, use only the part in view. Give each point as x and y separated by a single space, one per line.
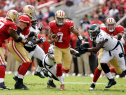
6 7
113 11
96 20
84 23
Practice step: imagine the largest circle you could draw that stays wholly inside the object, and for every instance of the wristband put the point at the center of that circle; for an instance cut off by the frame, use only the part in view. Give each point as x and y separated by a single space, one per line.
80 37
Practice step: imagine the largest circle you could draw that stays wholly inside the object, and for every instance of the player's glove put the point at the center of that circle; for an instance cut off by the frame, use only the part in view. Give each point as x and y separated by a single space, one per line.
81 49
23 38
40 27
29 44
41 40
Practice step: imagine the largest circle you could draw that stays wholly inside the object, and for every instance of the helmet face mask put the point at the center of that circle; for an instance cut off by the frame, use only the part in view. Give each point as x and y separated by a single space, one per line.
12 15
94 30
110 24
60 17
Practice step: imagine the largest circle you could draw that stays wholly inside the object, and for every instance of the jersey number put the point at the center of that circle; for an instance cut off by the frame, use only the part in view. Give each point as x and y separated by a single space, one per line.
60 36
1 24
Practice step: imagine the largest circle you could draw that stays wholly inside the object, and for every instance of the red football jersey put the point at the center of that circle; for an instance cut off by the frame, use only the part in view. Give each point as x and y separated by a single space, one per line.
62 32
118 29
5 26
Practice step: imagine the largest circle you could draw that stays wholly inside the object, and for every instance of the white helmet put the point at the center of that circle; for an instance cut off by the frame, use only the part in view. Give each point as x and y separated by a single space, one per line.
60 14
51 50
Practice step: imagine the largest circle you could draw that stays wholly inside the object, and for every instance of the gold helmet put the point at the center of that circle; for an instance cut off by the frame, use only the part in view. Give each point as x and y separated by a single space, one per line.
111 24
30 11
60 15
12 15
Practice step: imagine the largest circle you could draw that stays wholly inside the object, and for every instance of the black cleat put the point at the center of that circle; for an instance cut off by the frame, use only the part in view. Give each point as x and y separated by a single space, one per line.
51 84
92 86
21 86
111 82
40 74
45 72
3 87
15 78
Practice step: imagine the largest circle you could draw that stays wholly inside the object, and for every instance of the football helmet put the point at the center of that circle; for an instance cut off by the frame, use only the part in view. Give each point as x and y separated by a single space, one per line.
30 11
12 15
110 24
94 30
60 17
51 50
25 19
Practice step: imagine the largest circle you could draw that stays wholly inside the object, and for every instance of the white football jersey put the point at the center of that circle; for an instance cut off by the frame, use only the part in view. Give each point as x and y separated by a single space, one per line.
49 61
110 44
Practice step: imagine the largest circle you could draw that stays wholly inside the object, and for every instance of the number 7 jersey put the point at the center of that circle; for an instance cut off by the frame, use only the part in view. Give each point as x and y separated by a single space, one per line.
62 32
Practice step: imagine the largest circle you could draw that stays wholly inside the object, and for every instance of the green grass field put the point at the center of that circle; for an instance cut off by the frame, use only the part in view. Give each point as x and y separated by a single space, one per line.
73 86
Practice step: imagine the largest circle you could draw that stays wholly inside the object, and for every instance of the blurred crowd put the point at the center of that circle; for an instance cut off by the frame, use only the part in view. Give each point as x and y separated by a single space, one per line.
86 64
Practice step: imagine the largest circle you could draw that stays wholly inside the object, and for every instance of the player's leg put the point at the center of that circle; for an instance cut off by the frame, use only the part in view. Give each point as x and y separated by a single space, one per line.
105 58
22 56
98 70
40 54
58 58
2 69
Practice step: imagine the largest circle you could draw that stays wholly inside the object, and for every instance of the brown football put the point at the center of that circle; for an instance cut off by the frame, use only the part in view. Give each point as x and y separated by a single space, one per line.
54 35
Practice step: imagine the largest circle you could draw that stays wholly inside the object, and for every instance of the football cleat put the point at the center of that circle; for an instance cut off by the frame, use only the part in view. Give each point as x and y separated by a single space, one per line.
40 74
21 86
3 87
62 87
111 83
15 78
51 84
92 86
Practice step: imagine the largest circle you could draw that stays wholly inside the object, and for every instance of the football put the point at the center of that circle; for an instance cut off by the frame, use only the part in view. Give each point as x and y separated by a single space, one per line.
54 35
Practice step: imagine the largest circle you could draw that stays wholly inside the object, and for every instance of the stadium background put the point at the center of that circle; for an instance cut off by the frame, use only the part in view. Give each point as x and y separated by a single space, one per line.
82 12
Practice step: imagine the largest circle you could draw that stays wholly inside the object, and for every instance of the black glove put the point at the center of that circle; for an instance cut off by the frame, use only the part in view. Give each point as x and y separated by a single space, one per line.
81 49
40 26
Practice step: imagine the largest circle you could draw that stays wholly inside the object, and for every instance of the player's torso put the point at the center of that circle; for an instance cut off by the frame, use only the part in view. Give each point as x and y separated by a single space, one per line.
5 25
110 44
49 61
63 34
118 29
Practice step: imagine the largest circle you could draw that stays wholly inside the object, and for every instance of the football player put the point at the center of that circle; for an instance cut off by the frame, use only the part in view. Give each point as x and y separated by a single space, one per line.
62 28
117 32
112 48
35 50
18 50
50 67
8 28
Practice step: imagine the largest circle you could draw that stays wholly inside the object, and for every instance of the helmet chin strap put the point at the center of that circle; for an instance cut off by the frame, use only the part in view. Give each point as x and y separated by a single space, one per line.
111 30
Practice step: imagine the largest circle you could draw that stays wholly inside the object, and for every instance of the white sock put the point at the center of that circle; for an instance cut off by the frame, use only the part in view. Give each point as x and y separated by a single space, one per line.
16 74
38 68
1 80
20 76
61 79
94 82
109 75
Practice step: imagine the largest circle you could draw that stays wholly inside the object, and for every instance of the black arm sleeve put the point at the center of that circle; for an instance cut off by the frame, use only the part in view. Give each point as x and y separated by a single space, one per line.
19 39
32 34
19 30
119 36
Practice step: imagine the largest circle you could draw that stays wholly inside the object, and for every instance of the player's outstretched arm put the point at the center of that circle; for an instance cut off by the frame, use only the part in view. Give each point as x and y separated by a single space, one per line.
15 36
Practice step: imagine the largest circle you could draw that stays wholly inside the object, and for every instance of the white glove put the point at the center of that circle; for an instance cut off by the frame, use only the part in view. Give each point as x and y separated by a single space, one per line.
23 38
37 32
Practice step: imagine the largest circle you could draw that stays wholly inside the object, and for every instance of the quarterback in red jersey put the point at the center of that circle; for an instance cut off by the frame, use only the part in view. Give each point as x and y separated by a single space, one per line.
117 32
8 28
62 28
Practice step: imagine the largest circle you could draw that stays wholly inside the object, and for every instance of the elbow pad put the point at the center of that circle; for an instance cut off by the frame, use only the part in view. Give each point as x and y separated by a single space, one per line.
19 39
119 36
19 30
